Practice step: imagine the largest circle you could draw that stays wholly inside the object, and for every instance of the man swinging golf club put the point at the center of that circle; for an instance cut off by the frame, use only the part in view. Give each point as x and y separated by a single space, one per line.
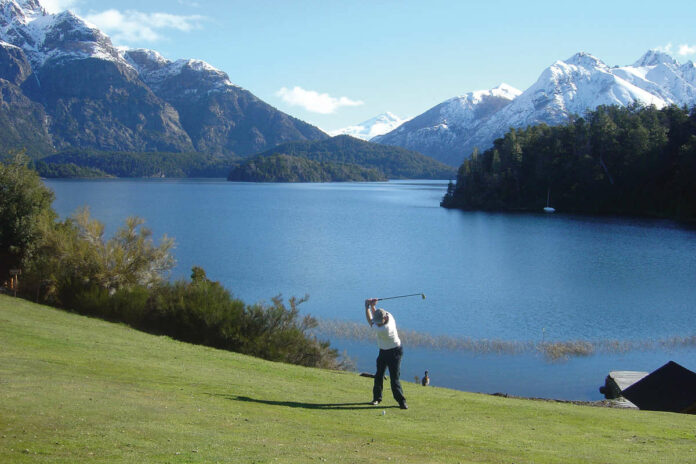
390 352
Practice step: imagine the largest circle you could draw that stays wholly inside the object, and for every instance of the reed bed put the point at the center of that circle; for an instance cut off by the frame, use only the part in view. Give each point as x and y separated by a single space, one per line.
553 351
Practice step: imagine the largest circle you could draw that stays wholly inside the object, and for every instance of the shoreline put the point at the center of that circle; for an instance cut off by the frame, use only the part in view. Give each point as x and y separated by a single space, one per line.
605 403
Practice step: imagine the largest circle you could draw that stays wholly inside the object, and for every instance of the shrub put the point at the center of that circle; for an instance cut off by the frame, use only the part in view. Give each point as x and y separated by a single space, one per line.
203 311
74 261
200 311
275 332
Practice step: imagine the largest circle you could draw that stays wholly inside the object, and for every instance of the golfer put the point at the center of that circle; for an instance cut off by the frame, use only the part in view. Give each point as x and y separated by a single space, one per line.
390 352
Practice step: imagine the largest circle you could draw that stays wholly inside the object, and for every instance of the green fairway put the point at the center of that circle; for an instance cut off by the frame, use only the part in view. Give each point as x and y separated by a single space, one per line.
75 389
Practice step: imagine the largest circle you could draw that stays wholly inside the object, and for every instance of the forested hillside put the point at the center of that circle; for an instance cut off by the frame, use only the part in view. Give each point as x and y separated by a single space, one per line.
90 163
285 168
393 162
629 161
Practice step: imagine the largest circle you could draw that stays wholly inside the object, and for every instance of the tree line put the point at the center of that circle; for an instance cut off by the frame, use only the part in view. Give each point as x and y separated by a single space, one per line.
632 160
70 264
89 163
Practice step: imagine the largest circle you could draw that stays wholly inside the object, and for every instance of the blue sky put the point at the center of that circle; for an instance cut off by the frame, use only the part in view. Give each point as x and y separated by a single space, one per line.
336 63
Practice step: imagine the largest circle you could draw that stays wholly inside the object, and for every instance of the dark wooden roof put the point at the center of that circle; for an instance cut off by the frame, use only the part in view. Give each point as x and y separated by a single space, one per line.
670 388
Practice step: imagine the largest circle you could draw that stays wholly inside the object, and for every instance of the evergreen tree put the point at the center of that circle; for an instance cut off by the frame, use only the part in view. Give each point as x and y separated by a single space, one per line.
619 160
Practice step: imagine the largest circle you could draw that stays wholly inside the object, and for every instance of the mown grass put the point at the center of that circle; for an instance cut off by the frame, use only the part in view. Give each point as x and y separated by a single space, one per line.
74 389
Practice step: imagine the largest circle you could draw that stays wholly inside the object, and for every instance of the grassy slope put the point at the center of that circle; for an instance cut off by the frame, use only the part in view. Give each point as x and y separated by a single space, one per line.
74 389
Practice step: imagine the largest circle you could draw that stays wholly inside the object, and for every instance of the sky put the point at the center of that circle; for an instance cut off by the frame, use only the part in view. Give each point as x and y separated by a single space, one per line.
336 63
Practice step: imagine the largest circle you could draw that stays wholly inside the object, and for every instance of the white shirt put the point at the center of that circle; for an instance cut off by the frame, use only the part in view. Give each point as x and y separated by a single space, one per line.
387 336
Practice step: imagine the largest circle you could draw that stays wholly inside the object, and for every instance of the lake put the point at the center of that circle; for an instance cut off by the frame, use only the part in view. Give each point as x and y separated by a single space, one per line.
518 281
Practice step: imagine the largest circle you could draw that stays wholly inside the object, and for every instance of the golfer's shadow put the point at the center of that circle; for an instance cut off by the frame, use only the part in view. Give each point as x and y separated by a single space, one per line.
296 404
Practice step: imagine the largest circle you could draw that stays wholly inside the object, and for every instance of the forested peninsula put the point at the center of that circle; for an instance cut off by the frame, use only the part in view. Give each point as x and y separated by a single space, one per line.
339 158
615 160
285 168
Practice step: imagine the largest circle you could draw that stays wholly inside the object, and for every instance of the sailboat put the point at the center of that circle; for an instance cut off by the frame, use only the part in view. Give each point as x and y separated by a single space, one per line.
548 209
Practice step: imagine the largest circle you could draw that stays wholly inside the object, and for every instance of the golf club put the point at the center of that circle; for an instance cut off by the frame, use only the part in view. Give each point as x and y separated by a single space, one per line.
422 295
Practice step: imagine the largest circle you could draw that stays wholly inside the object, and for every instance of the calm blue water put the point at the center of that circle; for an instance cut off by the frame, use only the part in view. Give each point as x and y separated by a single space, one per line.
510 277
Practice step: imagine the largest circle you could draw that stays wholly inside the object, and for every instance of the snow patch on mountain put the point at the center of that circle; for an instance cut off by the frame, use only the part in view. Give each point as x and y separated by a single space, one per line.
144 61
8 45
155 70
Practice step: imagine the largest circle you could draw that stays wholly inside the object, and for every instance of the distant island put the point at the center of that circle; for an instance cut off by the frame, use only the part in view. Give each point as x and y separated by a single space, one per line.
615 160
285 168
340 158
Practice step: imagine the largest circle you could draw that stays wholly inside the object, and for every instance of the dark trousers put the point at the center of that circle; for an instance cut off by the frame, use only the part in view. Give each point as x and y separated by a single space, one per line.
389 359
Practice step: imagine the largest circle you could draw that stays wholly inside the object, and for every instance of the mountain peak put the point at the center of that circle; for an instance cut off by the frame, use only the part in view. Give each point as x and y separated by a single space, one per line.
654 58
475 97
585 60
145 60
373 127
386 118
389 116
505 90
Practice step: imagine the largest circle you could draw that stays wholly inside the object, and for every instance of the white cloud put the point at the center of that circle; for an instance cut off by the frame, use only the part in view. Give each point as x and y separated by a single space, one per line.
134 26
316 102
685 49
666 49
56 6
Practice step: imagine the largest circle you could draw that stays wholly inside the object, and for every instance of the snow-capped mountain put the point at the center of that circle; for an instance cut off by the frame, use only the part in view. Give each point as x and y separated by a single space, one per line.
44 37
568 87
78 90
366 130
440 131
